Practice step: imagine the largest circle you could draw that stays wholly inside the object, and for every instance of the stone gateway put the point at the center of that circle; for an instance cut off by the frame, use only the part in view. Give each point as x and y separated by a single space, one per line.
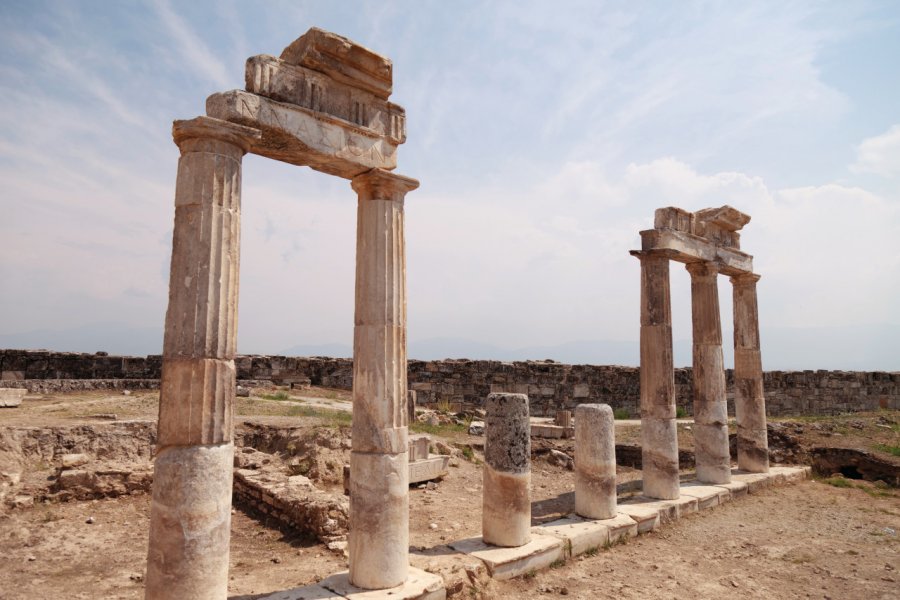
323 104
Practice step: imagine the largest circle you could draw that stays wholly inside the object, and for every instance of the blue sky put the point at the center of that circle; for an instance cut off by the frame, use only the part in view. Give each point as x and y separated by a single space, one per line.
544 135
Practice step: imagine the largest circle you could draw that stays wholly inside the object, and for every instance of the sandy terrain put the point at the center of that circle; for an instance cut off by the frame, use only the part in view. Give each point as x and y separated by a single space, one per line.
812 540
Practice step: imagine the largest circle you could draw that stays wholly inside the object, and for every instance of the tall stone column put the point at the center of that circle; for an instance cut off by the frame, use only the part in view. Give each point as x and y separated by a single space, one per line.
659 436
190 515
711 450
379 470
749 399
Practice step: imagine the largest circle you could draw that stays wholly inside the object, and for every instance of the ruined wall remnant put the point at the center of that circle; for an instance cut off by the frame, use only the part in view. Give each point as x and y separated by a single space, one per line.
549 385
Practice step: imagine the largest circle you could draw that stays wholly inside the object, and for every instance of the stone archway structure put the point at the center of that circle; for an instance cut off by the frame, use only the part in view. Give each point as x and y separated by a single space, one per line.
708 242
323 104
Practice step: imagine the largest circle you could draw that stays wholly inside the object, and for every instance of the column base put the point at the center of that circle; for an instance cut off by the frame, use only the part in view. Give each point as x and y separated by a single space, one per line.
659 458
190 523
378 541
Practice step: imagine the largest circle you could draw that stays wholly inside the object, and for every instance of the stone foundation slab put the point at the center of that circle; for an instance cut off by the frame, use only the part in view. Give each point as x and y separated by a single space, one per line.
420 585
506 563
582 535
707 496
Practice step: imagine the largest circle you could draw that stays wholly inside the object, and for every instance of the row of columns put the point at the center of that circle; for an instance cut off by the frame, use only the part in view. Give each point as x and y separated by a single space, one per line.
190 518
506 493
659 437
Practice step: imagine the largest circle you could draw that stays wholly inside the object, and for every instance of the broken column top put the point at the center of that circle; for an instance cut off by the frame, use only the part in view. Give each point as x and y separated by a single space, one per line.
341 59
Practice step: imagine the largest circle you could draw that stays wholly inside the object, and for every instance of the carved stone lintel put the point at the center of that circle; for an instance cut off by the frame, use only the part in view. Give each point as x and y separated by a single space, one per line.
293 84
299 136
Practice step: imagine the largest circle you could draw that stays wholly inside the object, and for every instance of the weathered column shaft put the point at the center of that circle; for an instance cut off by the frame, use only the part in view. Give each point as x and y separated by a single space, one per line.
379 470
659 436
711 450
190 515
749 398
595 461
506 501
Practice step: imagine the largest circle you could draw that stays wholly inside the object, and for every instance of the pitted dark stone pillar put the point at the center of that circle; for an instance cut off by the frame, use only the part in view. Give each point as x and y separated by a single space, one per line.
506 515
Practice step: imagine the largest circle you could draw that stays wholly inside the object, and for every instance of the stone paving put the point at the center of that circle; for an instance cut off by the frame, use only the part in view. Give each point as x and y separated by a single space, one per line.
562 539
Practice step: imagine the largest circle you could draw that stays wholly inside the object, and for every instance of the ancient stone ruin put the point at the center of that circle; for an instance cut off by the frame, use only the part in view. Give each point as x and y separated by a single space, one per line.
708 243
323 104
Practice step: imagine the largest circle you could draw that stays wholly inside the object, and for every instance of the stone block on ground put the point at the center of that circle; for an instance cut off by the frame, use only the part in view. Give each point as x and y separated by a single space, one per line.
506 563
427 469
419 585
11 397
457 569
546 430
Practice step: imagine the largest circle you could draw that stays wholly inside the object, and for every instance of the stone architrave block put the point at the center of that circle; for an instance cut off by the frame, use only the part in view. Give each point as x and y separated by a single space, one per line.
11 397
427 469
274 78
300 136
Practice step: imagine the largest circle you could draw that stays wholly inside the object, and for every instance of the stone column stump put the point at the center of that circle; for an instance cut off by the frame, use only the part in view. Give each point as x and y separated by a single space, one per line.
595 461
506 512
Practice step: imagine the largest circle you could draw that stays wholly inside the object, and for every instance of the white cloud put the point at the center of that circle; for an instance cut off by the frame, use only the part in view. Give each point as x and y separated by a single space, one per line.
880 154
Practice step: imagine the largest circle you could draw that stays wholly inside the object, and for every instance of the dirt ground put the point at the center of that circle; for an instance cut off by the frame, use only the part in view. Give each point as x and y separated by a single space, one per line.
812 540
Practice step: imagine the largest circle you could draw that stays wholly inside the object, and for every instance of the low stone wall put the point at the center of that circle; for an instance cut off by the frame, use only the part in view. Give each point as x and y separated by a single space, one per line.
550 386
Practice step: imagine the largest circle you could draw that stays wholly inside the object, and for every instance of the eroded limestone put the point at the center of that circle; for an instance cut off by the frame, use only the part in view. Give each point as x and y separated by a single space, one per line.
595 461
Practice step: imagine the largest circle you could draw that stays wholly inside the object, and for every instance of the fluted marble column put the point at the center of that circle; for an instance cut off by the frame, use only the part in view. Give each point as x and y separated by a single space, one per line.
711 451
190 516
379 470
659 436
749 399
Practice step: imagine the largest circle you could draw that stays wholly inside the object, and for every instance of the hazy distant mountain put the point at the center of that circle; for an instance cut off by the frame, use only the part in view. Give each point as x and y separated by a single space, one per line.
114 338
852 348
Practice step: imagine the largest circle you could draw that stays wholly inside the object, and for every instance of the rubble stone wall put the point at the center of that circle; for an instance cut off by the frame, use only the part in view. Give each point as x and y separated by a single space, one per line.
549 385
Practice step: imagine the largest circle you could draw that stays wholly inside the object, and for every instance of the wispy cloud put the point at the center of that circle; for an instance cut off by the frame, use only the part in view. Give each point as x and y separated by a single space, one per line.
196 53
